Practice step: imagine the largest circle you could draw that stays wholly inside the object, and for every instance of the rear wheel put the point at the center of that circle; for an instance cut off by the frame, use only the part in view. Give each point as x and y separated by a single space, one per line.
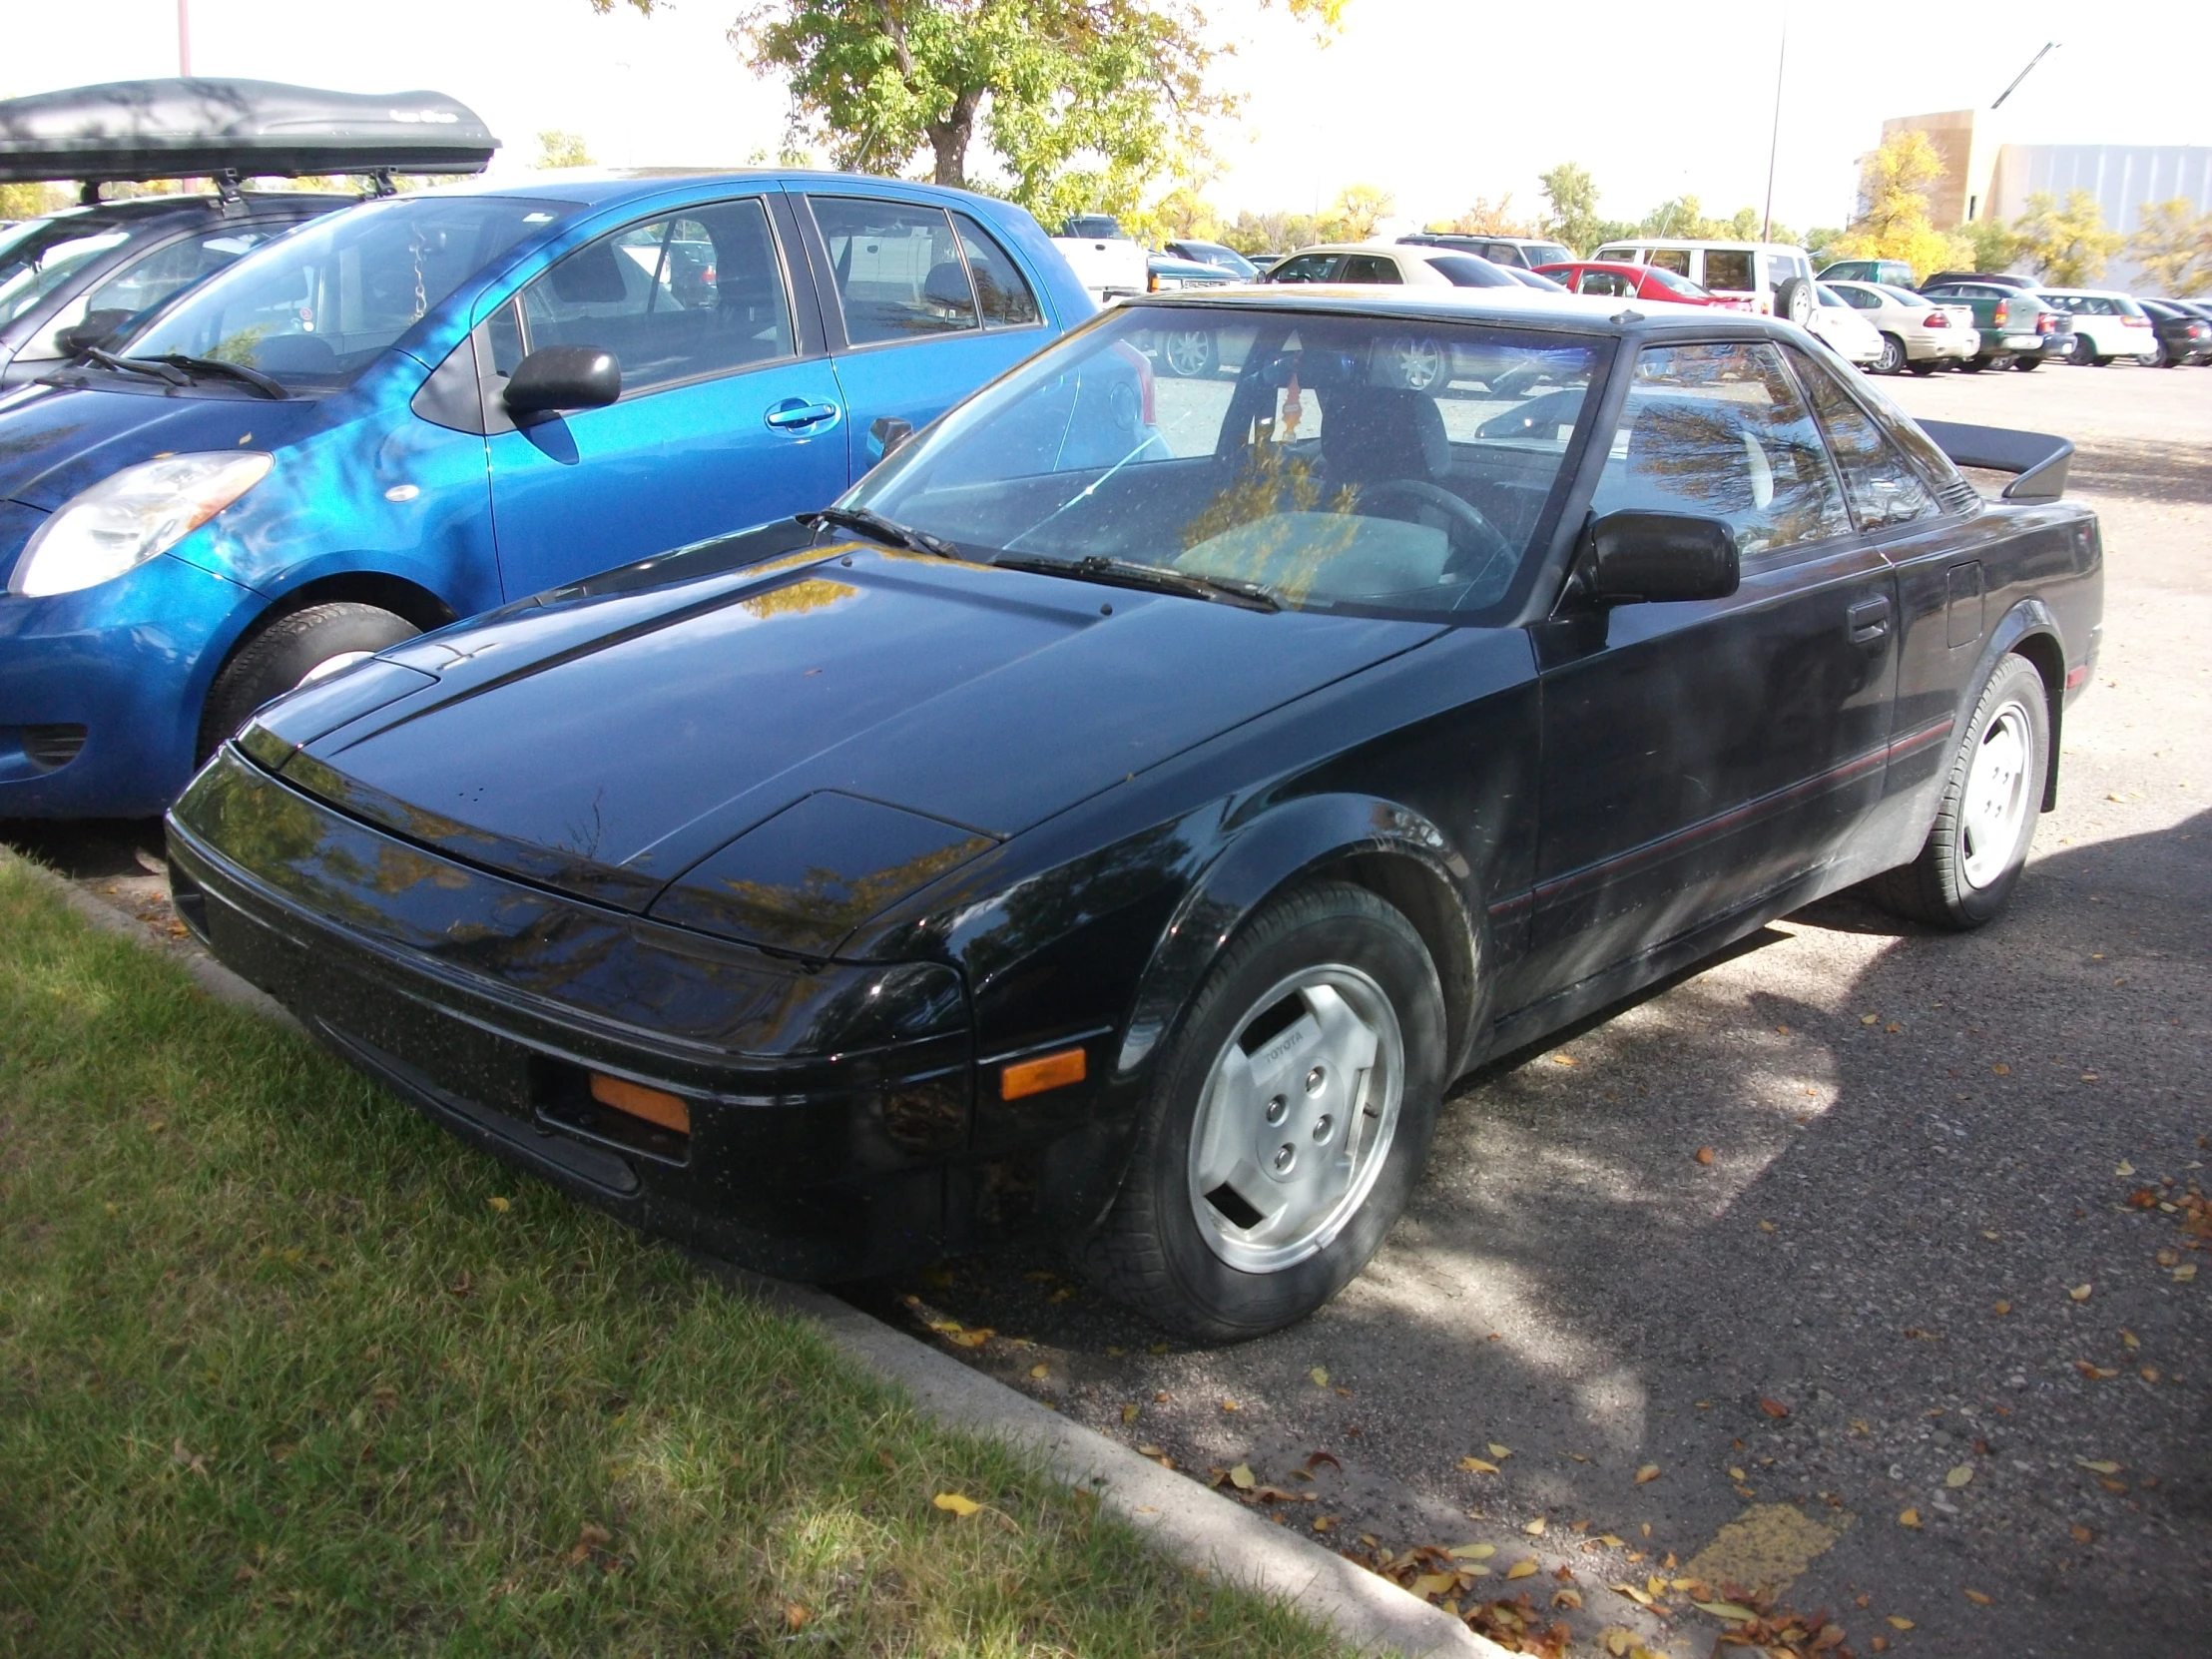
2160 358
1792 300
1978 844
1288 1123
304 645
2028 366
1189 352
1923 367
1972 366
1893 358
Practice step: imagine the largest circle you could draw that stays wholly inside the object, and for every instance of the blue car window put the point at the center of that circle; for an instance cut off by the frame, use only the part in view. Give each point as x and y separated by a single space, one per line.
1339 462
1720 431
675 298
897 268
317 306
999 283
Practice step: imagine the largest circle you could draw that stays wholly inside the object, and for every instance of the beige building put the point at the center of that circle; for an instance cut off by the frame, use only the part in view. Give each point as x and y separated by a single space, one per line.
1985 176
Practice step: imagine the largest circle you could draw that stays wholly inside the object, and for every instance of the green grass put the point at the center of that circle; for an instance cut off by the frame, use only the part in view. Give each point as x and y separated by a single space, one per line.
286 1369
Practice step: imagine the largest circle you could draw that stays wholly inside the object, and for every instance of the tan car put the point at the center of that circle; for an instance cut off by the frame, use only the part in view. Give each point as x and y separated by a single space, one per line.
1917 333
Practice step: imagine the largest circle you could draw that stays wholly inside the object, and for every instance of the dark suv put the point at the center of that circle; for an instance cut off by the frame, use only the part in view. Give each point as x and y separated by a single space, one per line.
1522 253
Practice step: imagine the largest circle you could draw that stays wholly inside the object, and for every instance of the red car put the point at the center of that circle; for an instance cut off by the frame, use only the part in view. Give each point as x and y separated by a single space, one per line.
1612 279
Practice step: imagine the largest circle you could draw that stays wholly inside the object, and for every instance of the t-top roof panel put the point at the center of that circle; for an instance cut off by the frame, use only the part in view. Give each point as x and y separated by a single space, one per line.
177 127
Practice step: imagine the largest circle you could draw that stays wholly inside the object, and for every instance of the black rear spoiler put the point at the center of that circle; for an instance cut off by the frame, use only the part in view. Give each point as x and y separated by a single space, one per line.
2039 458
204 128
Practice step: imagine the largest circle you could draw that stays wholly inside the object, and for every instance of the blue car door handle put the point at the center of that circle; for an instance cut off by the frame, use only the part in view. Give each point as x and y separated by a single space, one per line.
797 414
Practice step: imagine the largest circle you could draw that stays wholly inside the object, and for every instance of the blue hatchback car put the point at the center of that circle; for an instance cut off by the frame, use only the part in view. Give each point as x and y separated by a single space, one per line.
412 411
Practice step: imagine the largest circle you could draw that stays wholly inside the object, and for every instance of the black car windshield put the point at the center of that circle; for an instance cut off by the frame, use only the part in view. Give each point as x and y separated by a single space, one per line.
40 254
1465 270
315 307
1370 464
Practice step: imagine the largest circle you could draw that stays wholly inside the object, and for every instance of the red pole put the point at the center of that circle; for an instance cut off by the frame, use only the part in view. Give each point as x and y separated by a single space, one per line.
184 37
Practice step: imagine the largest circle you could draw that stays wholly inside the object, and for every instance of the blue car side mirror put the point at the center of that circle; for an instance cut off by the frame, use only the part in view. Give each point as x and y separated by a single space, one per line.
557 378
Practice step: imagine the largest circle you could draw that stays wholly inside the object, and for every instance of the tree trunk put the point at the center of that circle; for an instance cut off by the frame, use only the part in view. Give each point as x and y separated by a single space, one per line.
949 138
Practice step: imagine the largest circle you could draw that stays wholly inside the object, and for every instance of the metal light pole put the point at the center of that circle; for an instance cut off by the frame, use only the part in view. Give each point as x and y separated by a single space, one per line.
184 37
2001 97
1774 139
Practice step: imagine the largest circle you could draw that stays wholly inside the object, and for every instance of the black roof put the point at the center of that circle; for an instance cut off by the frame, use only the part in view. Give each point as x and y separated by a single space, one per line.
176 129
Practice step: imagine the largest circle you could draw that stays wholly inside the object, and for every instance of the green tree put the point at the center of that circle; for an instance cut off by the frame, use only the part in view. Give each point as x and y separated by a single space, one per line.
1819 239
1081 102
1991 243
2067 243
2173 246
559 148
1892 221
1570 196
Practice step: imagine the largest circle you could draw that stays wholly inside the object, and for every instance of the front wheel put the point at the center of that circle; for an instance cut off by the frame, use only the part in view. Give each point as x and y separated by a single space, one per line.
2028 366
1978 844
300 646
2160 358
1189 352
1893 358
1289 1118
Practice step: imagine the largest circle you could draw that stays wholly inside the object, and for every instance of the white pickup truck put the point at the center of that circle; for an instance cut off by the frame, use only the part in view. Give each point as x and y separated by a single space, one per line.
1106 263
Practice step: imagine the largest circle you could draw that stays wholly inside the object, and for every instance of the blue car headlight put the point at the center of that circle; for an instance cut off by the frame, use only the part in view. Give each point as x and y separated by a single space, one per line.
129 516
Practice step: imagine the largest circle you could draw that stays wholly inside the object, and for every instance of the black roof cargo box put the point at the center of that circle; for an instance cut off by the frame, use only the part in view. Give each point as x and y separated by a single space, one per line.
178 129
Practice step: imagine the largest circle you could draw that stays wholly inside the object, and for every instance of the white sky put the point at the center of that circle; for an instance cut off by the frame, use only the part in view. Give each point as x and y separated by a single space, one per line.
1439 101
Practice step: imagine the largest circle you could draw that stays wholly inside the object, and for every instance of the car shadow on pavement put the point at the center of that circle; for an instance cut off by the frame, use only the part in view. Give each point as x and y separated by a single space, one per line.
84 849
1801 1230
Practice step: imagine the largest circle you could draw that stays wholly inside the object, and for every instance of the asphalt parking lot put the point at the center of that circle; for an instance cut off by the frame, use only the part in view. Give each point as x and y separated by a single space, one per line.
1921 1148
1924 1272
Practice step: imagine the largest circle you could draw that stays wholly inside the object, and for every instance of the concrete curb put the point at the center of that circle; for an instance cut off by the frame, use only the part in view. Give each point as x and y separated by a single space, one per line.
1199 1528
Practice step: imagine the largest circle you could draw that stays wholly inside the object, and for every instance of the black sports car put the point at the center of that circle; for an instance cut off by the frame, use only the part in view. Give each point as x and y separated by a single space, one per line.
1130 807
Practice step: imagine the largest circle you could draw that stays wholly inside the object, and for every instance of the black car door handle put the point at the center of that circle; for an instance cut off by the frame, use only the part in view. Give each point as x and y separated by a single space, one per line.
1868 620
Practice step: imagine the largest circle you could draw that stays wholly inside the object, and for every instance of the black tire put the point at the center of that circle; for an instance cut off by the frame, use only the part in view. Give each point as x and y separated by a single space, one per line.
1792 300
1972 366
1935 887
1894 356
2028 366
2160 358
1150 1252
2094 362
284 653
1923 368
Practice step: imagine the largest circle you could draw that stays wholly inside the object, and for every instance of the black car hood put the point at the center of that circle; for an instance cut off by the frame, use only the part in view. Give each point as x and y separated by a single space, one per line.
56 441
605 745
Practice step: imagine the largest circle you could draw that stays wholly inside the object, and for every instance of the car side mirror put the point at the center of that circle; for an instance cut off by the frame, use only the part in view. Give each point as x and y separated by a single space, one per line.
1636 557
557 378
886 433
99 328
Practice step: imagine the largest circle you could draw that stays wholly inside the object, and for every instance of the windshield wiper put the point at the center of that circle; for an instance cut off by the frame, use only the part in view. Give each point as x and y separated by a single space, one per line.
150 369
253 377
878 528
177 370
1128 573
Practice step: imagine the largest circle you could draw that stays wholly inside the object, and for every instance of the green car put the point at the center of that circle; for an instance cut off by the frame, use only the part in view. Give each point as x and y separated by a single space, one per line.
1895 273
2019 331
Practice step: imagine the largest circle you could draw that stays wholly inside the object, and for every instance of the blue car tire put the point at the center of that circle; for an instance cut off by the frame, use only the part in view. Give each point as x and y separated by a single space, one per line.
287 653
1242 1107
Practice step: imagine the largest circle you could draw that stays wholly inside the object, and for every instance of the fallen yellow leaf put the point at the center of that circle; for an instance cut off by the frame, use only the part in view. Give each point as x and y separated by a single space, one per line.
500 1204
2130 1339
954 1503
1476 1465
1525 1568
2099 1465
1908 1518
1040 1370
2185 1273
1960 1475
1609 1541
1535 1529
1869 1019
2123 1167
1501 1453
1567 1598
1648 1473
2004 1308
1150 1451
1230 1405
2081 1293
1736 1474
1977 1598
1725 1609
1241 1477
1129 1412
1897 1623
1319 1375
1472 1552
2002 1069
1633 1593
1433 1585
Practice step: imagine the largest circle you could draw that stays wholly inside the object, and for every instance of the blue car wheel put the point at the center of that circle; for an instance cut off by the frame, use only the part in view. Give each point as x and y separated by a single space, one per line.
297 647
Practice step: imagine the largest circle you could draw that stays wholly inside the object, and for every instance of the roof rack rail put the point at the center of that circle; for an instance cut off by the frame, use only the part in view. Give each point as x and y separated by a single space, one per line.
177 127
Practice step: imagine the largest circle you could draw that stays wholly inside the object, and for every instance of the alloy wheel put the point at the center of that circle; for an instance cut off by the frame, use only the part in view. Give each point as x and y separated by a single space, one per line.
1997 796
1189 352
1296 1118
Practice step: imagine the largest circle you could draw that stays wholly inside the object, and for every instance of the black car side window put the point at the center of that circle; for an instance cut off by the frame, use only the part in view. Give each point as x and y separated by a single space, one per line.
1370 267
1882 486
675 298
897 270
1309 268
999 283
1720 431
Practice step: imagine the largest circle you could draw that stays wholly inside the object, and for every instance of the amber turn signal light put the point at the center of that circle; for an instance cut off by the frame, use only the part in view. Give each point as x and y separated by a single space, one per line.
655 1106
1046 1071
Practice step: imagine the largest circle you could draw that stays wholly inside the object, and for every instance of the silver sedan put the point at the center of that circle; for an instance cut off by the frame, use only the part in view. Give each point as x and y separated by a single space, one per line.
1917 332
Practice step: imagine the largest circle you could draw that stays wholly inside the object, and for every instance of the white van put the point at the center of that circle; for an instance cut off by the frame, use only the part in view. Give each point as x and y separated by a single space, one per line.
1754 270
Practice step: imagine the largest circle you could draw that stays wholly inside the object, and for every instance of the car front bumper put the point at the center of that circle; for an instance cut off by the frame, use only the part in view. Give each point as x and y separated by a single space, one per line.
100 690
824 1099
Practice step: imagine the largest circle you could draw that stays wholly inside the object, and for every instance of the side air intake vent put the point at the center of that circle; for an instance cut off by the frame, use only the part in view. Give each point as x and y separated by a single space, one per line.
50 747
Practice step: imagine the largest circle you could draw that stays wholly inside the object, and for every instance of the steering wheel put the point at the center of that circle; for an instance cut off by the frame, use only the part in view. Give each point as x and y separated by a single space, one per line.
1481 536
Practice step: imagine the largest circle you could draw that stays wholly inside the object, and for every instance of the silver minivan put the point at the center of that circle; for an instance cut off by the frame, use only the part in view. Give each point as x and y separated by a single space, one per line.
1754 270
